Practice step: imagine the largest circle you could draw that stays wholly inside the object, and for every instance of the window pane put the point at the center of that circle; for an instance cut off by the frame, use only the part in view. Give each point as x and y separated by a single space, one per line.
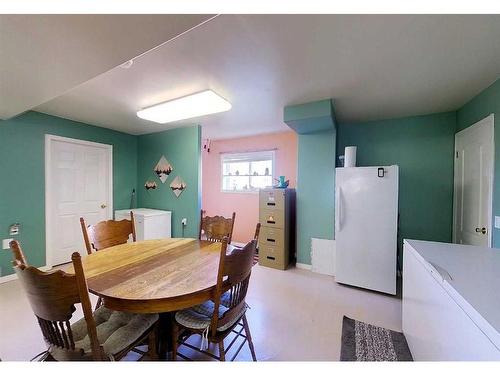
235 183
235 169
261 182
262 168
248 171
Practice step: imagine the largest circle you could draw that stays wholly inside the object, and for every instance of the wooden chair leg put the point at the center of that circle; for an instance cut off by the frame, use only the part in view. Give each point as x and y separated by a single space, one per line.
153 354
99 303
175 340
222 353
249 337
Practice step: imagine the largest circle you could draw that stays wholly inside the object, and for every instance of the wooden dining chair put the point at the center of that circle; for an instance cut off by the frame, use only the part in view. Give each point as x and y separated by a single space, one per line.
101 335
107 233
257 232
256 238
213 320
216 228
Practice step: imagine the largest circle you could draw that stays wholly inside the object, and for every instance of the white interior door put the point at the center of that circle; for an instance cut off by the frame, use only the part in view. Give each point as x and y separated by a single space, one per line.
473 183
78 184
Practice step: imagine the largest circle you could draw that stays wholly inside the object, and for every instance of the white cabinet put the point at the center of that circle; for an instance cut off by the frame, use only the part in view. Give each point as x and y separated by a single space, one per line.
447 313
149 224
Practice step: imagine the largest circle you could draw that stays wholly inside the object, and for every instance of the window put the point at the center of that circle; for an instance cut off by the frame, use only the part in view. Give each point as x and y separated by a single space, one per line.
247 172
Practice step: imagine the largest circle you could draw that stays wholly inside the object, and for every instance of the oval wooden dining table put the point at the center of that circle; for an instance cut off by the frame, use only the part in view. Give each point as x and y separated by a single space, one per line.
154 276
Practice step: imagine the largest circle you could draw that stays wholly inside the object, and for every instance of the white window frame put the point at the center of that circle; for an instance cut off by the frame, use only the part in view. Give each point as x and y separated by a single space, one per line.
256 154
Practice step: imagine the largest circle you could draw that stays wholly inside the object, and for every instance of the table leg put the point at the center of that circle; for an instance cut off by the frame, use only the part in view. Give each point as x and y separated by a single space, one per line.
165 336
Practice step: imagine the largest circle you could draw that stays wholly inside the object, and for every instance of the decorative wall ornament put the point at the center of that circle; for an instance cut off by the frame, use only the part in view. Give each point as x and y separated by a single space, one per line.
163 168
178 185
150 185
206 145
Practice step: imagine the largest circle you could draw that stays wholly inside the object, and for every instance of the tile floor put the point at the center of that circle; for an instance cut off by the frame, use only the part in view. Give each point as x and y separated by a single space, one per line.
295 315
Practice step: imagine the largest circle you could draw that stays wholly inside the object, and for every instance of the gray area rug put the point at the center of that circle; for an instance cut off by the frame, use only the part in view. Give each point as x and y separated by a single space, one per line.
366 342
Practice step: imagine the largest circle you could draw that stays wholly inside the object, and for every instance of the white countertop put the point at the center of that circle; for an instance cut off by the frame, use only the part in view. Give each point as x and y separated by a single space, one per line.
471 275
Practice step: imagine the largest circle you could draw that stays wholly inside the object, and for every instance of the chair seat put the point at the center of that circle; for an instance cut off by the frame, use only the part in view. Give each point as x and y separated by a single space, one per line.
225 299
198 317
116 330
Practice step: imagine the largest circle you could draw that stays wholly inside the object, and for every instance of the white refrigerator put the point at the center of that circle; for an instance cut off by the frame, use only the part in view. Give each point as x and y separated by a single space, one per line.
366 219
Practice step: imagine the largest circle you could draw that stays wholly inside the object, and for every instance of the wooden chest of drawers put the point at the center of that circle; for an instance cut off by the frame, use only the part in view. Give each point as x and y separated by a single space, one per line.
277 233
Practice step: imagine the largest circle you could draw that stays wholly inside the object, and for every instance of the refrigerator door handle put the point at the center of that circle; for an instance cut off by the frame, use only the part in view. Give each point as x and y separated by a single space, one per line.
337 209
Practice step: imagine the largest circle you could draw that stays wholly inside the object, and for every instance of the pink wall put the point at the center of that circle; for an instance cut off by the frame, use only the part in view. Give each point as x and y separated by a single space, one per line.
246 205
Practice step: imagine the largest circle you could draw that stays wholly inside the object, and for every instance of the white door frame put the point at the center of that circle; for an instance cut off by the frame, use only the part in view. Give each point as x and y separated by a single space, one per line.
49 140
490 122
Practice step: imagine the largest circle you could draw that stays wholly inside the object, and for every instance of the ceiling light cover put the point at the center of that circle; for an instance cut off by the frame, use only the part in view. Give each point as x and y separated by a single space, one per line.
195 105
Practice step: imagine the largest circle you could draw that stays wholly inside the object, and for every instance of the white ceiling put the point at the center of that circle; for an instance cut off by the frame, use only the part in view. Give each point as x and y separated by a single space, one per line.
43 56
374 66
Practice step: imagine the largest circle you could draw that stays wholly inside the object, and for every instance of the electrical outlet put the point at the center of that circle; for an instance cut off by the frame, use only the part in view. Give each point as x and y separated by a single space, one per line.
184 221
5 243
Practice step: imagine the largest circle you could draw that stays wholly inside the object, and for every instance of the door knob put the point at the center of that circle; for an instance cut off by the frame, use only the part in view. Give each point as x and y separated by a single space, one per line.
104 206
481 230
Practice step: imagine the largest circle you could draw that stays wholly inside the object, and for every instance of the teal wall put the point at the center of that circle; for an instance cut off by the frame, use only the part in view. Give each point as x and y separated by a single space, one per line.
482 105
315 187
22 171
182 148
423 148
310 117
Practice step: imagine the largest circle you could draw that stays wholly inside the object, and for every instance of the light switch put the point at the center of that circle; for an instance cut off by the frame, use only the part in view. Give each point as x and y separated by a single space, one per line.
497 222
5 243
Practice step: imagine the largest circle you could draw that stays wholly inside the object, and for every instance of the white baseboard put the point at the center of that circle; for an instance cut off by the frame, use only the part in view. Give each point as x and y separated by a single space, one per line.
303 266
5 279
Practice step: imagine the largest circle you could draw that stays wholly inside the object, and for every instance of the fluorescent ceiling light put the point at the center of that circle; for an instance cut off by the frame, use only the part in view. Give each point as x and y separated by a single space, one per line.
194 105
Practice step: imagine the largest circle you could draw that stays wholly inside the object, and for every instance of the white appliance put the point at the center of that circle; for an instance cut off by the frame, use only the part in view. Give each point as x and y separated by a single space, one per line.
149 224
350 156
451 309
366 216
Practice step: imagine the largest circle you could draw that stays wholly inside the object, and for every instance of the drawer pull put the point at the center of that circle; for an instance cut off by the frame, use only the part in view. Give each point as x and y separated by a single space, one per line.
271 258
271 222
271 240
271 204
